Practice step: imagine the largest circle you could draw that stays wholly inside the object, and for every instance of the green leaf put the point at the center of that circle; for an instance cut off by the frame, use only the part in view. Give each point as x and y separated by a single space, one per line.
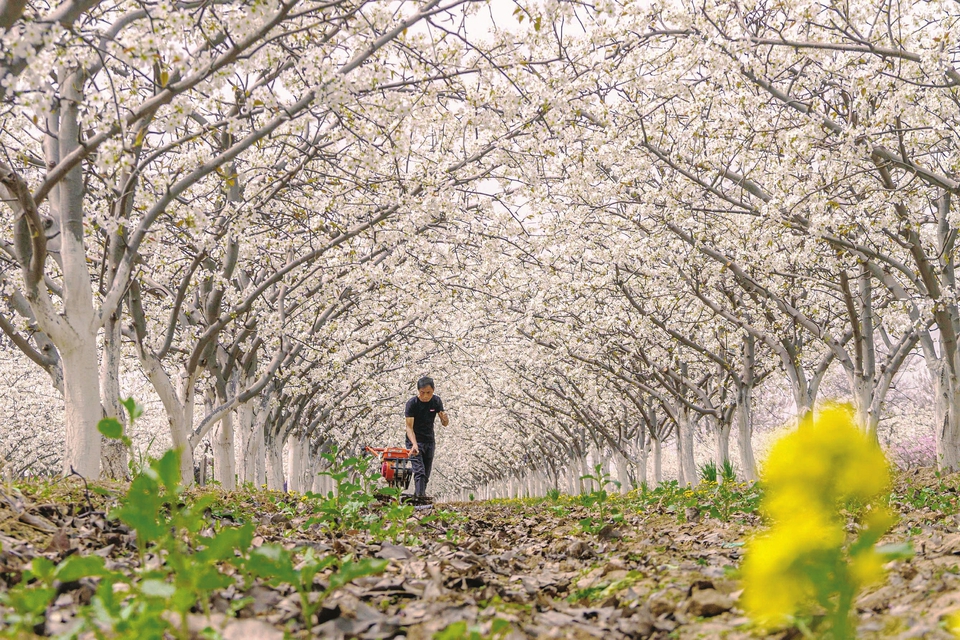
168 468
455 631
30 600
110 428
896 550
499 626
134 410
40 568
155 588
221 546
141 508
76 567
272 562
350 571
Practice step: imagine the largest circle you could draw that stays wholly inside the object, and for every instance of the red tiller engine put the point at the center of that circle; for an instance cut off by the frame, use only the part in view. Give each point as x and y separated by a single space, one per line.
395 465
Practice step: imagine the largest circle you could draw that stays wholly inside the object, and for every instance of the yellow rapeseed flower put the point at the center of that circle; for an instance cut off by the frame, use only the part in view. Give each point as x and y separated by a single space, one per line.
867 567
953 624
806 559
775 568
830 459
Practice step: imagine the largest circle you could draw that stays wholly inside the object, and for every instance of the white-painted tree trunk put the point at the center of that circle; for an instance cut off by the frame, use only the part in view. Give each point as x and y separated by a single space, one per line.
78 339
743 415
722 434
274 463
585 485
947 415
180 439
81 390
260 425
685 437
657 461
179 412
295 464
247 467
603 459
641 461
302 468
623 472
862 400
113 453
225 453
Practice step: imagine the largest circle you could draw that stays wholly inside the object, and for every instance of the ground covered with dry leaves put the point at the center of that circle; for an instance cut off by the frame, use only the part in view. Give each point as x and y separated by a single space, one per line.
659 564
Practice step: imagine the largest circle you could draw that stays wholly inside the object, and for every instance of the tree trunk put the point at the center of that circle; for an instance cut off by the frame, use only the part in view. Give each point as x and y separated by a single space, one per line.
180 416
274 463
224 453
642 457
295 465
82 409
743 412
863 415
687 461
947 412
302 468
744 419
78 349
113 454
723 443
259 434
623 472
247 467
657 461
585 485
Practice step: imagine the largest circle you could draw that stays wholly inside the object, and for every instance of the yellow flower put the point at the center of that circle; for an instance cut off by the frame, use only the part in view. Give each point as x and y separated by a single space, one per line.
829 459
953 624
866 568
774 570
806 559
879 519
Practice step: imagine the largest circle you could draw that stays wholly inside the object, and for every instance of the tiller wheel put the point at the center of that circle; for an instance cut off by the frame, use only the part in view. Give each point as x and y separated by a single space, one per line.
395 465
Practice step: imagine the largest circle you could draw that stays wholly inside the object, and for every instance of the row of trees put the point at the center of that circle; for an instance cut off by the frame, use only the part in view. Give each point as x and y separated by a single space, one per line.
601 227
731 193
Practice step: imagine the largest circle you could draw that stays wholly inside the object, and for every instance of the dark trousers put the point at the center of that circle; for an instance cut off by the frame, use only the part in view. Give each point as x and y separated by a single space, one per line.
422 466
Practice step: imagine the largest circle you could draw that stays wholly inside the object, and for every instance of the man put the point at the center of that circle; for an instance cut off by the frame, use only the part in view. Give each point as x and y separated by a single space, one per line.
421 412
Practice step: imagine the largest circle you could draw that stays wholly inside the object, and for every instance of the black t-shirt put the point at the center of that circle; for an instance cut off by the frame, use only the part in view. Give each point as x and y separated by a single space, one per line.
424 414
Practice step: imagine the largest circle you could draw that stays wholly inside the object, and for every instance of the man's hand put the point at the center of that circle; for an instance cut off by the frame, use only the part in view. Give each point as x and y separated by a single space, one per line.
414 450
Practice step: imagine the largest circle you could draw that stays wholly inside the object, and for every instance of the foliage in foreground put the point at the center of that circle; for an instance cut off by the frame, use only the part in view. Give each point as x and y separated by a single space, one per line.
183 560
816 478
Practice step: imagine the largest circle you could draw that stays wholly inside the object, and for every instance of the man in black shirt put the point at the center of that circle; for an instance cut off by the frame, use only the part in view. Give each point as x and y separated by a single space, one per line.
421 412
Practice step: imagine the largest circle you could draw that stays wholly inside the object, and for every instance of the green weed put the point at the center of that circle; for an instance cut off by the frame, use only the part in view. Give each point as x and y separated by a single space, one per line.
599 498
462 631
183 557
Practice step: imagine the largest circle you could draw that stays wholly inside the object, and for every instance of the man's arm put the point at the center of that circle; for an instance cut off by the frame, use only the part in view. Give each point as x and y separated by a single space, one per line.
414 450
444 420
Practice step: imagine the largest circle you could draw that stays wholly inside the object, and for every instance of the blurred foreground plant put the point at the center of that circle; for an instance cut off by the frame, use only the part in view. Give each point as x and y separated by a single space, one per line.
815 479
184 558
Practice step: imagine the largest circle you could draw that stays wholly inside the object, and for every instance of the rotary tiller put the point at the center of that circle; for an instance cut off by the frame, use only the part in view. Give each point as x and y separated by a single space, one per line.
396 467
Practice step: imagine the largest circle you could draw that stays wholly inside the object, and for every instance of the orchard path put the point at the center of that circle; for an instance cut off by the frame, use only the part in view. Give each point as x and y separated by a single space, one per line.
513 569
